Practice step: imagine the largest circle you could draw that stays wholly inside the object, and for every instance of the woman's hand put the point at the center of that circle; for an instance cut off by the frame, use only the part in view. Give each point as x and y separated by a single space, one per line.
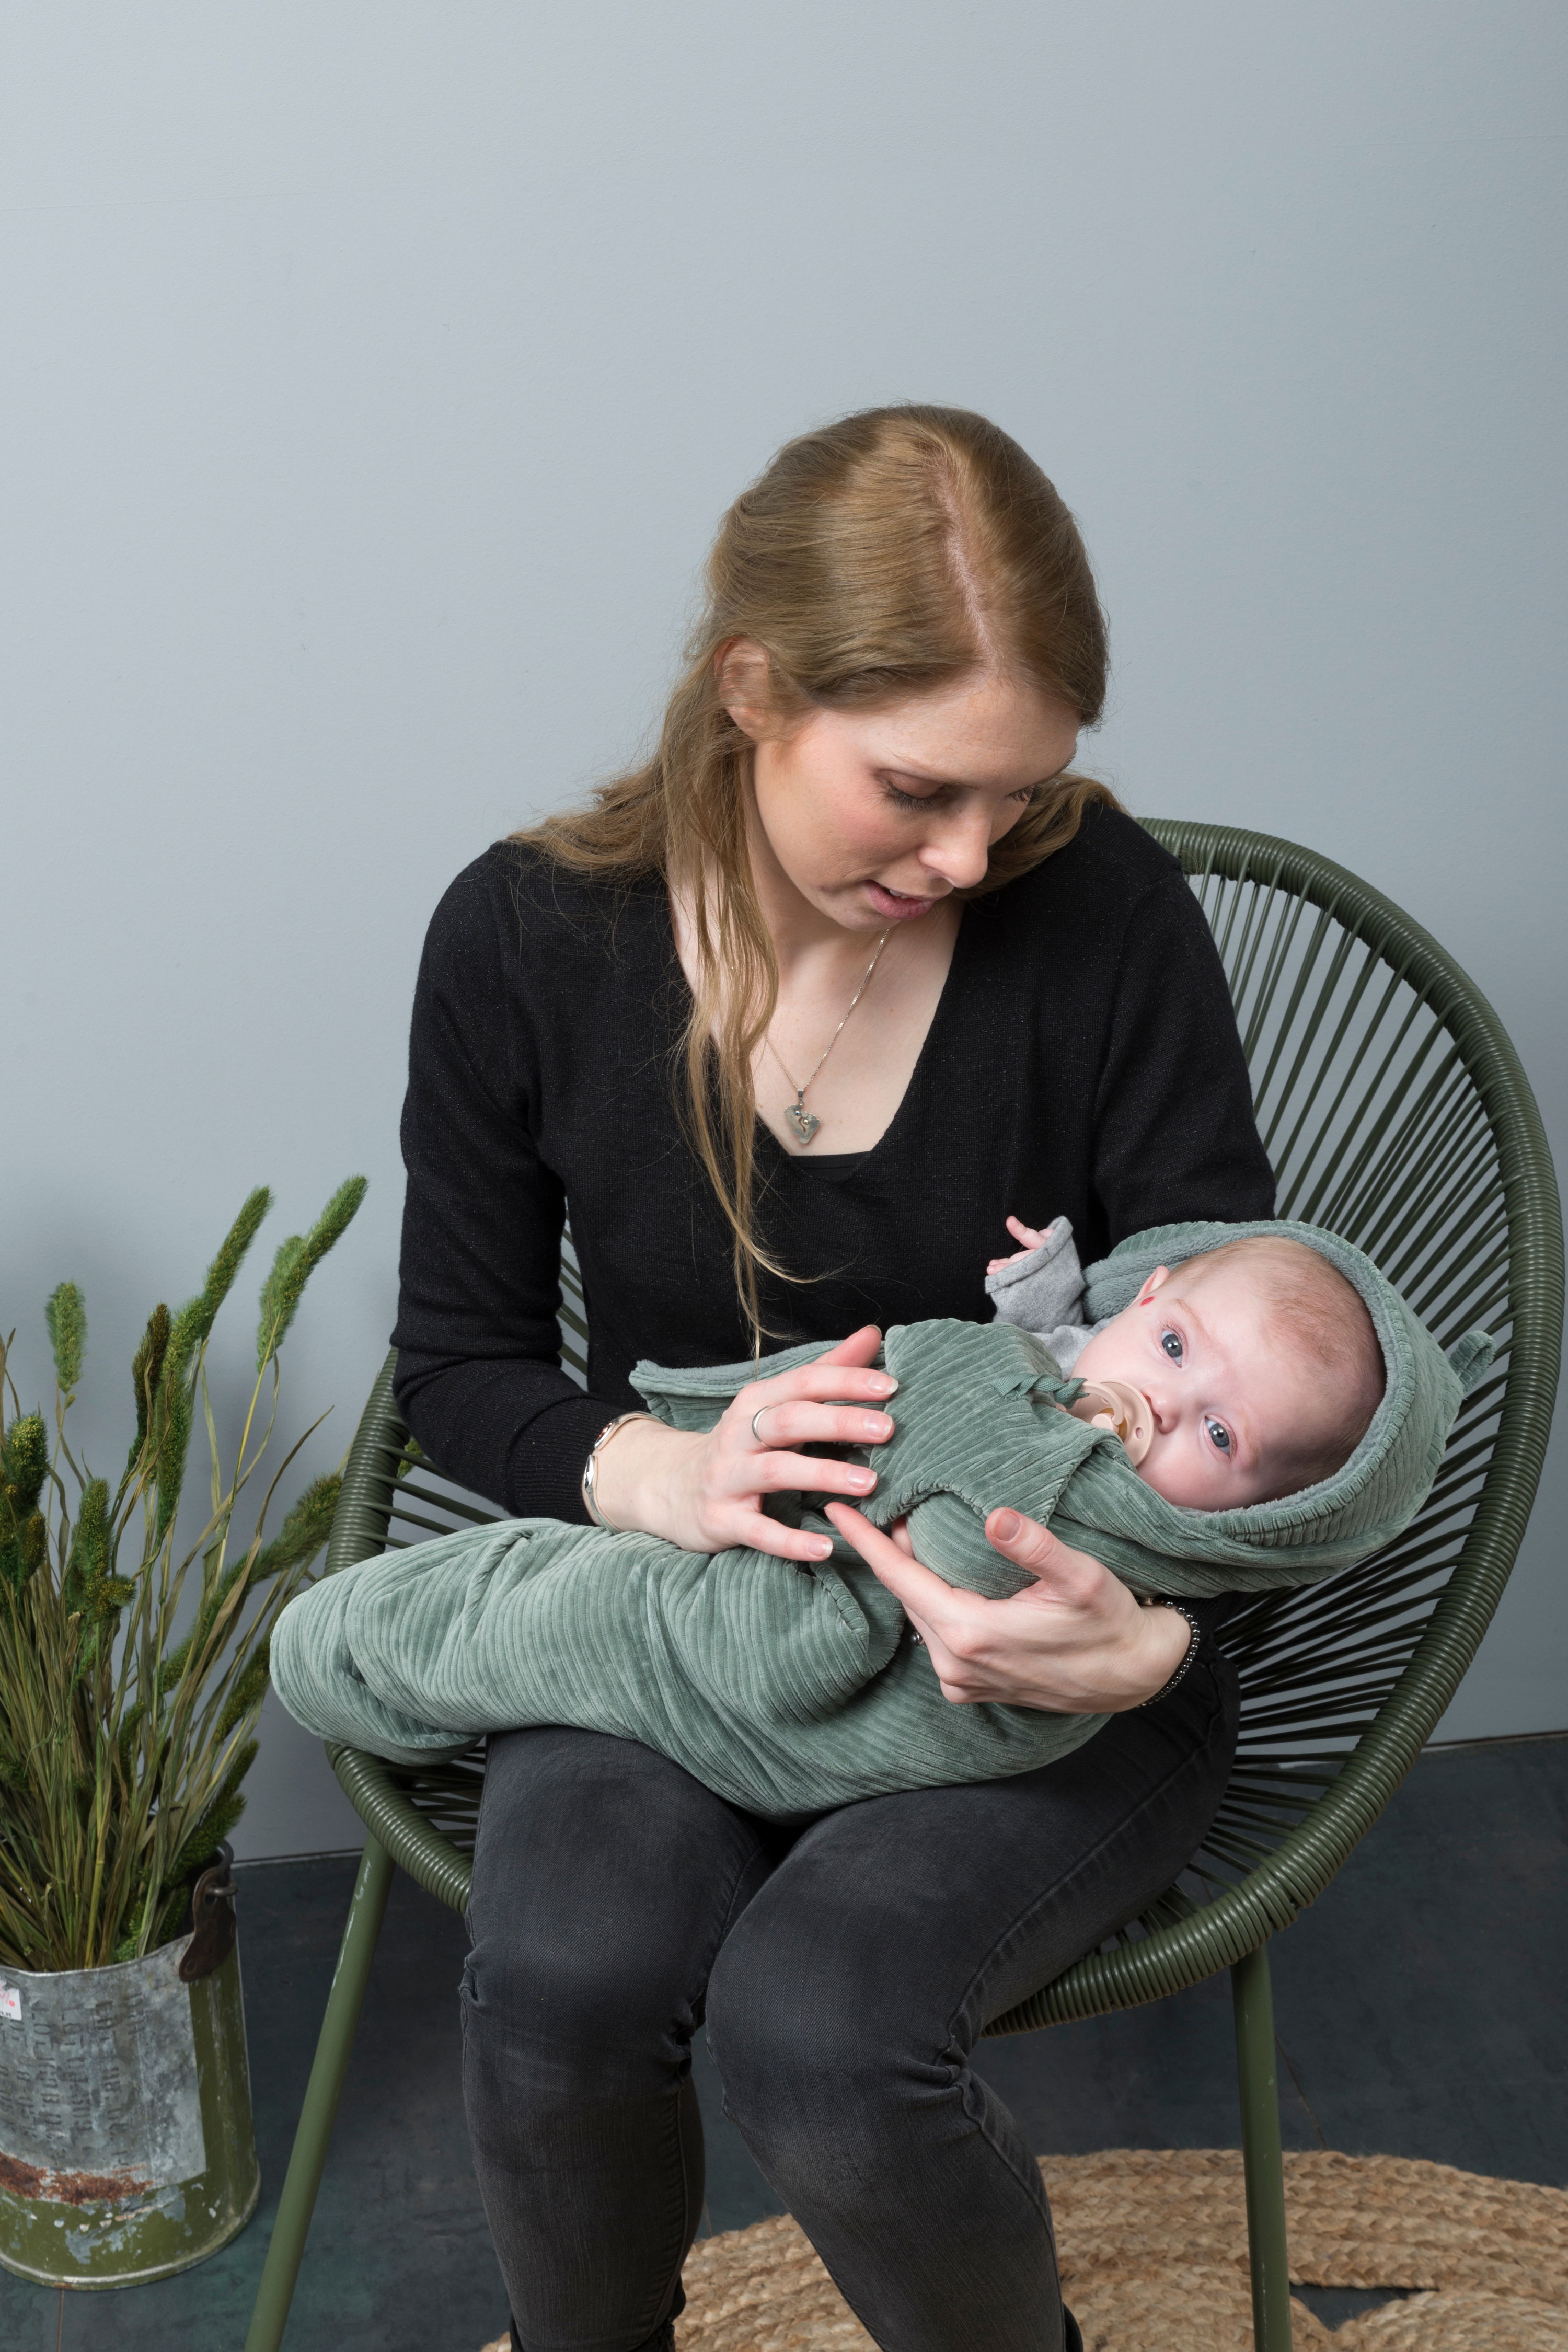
1075 1642
704 1490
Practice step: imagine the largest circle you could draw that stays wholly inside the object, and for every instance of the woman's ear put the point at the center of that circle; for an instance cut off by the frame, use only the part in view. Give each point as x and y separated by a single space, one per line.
745 687
1157 1281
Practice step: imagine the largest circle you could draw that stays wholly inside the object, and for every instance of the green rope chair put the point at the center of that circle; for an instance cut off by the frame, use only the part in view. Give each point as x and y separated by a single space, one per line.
1396 1113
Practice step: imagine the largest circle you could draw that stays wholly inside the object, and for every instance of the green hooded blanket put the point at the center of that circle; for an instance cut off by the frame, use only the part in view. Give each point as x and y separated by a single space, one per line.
788 1689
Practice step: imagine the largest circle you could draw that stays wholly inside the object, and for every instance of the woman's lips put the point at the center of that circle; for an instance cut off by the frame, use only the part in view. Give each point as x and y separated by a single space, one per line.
900 905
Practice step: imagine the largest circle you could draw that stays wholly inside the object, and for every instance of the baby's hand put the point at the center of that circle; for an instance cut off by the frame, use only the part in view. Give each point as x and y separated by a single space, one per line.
1029 1235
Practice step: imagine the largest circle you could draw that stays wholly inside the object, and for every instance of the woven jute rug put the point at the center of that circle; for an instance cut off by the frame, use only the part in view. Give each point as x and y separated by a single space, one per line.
1154 2258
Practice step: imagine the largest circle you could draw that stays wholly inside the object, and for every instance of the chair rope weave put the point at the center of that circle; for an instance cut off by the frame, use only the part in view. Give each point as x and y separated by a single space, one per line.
1396 1113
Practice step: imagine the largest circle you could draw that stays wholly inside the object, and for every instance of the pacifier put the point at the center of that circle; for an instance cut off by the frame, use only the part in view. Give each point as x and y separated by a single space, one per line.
1116 1405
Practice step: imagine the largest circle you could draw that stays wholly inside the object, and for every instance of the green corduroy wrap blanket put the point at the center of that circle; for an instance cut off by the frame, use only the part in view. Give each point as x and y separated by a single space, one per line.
787 1688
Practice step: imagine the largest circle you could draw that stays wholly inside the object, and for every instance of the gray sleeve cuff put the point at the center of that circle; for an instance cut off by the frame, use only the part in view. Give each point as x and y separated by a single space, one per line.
1043 1291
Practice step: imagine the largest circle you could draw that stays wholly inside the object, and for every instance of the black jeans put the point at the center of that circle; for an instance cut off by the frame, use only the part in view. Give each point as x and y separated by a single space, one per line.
845 1969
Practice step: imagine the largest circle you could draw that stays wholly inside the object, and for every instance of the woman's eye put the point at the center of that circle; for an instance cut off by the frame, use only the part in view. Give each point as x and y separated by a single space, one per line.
1171 1343
900 799
1219 1436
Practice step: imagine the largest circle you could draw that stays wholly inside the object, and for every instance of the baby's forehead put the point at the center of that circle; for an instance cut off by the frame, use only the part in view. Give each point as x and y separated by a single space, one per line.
1279 1272
1220 1280
1238 1273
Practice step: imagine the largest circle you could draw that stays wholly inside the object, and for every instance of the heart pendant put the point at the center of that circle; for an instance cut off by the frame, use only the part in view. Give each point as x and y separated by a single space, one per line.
805 1122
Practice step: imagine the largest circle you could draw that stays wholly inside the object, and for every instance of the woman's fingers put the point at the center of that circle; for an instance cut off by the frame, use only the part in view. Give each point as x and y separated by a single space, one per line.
826 1378
832 1400
923 1595
861 1348
810 1474
954 1624
875 1549
1075 1641
1025 1541
1060 1573
1064 1574
755 1530
778 1427
848 1370
1042 1648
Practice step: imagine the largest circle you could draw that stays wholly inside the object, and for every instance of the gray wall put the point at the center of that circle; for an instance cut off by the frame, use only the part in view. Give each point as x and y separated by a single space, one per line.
375 374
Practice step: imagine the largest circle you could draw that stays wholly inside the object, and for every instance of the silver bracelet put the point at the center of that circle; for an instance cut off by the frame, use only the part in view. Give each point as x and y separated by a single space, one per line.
590 1468
1162 1601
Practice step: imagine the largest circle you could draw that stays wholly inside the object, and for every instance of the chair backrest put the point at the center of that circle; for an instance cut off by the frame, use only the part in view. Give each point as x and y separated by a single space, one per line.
1396 1113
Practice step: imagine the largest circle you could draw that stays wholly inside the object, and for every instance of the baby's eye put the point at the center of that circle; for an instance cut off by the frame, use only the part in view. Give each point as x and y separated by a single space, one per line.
1218 1435
1171 1343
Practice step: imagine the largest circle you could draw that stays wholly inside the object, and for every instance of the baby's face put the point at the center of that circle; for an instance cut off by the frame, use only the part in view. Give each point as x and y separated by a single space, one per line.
1231 1402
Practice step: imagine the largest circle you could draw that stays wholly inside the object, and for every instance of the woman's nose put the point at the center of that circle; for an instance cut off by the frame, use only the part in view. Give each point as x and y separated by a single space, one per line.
960 851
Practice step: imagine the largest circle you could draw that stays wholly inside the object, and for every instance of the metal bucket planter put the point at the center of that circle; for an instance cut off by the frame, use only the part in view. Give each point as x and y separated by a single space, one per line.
126 2145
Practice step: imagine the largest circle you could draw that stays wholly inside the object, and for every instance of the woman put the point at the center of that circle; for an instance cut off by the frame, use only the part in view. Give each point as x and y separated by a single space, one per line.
792 1021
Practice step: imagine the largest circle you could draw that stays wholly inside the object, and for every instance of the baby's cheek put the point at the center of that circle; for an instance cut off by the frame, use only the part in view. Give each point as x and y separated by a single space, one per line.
1182 1482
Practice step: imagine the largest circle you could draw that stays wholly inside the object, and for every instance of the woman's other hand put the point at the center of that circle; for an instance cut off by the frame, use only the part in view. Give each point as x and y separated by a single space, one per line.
704 1490
1074 1641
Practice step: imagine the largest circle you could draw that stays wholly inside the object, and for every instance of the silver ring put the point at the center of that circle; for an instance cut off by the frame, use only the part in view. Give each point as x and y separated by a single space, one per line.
756 1433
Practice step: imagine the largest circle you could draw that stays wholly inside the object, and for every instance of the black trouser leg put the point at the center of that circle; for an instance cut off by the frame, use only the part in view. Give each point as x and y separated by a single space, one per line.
846 1988
605 1878
846 2000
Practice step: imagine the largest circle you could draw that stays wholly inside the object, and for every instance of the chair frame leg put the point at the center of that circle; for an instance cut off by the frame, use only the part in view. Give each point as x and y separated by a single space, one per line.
1262 2159
333 2047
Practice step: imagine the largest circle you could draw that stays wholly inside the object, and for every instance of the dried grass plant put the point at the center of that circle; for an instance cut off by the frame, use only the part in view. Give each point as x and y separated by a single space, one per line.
132 1667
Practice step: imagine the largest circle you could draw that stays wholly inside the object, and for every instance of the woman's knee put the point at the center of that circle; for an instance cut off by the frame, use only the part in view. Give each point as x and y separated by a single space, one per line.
584 2000
811 2050
602 1876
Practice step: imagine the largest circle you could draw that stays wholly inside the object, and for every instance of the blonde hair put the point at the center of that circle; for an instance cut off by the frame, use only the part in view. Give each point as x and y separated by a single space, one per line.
883 557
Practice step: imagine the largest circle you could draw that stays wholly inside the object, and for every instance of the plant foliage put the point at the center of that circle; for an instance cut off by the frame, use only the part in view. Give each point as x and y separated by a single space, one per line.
131 1670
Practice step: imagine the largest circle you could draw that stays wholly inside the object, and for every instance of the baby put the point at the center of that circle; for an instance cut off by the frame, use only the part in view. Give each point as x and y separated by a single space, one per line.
1258 1408
1247 1374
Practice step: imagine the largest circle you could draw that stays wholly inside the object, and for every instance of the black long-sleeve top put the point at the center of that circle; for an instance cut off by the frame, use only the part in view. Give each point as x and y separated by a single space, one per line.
1083 1060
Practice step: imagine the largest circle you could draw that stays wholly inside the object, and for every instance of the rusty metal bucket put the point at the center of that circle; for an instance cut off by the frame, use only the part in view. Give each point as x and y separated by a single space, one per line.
126 2145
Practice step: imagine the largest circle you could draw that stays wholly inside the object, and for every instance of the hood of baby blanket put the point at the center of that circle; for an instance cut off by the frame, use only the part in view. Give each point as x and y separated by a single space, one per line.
976 1426
1378 1491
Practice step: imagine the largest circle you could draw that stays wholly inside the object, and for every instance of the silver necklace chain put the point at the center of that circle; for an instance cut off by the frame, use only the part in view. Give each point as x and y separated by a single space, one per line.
805 1122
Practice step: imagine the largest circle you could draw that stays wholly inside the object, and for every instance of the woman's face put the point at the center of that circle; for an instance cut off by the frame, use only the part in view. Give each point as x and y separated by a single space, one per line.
874 817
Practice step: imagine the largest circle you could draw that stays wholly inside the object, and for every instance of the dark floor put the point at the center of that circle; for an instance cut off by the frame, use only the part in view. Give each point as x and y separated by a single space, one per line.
1419 2009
